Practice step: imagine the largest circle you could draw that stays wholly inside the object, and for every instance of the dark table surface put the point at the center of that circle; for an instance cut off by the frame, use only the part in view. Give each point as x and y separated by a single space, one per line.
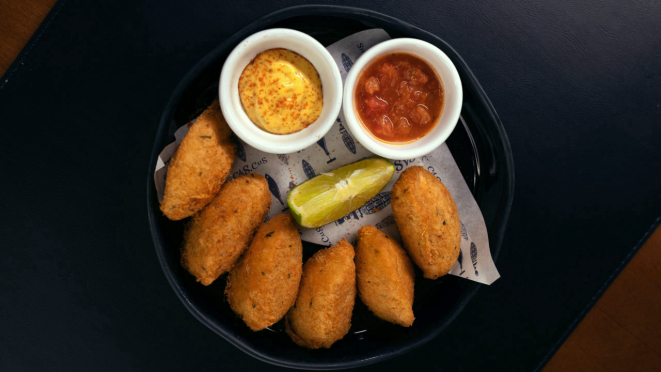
576 85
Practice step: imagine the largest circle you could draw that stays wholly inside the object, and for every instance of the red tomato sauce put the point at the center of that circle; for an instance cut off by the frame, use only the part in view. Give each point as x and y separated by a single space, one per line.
399 97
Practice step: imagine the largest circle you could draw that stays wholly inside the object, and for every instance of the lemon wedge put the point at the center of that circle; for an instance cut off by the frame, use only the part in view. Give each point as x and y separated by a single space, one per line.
332 195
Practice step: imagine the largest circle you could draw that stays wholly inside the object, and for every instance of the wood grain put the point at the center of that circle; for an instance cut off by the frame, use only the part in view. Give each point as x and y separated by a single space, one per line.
621 333
19 19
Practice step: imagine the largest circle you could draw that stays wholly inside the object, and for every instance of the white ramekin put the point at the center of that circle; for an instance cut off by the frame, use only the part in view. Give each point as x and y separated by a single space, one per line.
445 124
230 102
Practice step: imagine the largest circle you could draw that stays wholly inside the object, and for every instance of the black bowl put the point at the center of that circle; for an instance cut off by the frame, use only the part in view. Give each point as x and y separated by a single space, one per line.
479 146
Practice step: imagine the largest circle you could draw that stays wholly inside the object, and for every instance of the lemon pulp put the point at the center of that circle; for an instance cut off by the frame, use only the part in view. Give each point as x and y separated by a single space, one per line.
332 195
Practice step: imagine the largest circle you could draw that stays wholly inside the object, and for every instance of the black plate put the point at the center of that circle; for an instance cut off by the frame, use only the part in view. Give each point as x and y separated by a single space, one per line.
479 145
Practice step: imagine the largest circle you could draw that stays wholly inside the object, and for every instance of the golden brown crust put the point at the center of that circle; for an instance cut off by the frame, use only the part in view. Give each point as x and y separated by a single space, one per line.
200 165
385 276
219 233
428 221
323 308
264 283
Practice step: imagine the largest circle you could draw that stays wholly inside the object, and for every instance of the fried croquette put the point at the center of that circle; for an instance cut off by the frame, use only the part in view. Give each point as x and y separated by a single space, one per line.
263 284
323 308
428 221
219 233
385 276
200 165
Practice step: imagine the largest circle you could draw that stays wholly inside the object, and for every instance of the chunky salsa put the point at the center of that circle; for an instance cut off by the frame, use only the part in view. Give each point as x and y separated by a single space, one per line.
399 97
